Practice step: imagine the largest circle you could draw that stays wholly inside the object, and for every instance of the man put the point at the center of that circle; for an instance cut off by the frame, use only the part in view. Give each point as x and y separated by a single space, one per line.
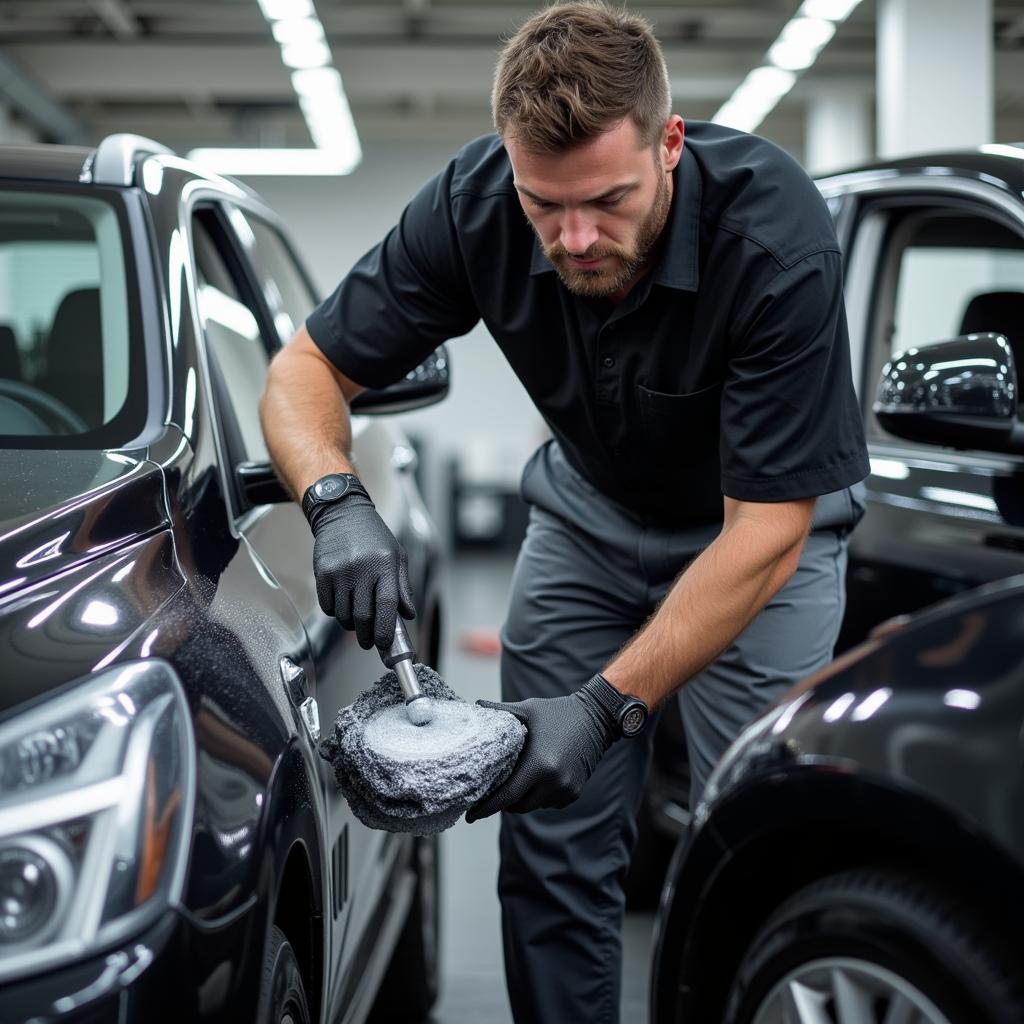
672 302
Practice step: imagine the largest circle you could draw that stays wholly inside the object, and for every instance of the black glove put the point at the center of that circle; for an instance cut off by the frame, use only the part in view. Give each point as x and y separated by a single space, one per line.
362 574
566 737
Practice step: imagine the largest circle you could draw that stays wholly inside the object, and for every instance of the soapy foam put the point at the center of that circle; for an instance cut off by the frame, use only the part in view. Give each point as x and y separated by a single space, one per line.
391 734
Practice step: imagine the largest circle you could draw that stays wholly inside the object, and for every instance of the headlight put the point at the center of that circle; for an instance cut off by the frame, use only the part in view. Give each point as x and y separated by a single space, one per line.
96 794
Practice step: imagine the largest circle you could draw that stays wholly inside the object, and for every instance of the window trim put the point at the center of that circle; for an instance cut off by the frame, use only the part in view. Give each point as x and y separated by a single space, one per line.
215 203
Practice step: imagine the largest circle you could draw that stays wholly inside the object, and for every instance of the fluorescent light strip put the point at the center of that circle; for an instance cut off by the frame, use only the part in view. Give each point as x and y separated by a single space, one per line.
322 99
803 37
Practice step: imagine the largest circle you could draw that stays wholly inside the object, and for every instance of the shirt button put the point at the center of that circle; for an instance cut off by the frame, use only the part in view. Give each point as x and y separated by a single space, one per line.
608 361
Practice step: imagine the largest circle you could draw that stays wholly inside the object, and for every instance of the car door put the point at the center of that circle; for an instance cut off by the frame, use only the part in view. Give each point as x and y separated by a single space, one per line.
927 262
337 669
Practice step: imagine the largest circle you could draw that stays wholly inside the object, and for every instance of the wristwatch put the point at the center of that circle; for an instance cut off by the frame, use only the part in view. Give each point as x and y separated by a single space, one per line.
329 490
629 713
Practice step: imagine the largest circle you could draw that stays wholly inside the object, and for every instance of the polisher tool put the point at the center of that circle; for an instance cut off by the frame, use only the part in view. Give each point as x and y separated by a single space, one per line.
400 658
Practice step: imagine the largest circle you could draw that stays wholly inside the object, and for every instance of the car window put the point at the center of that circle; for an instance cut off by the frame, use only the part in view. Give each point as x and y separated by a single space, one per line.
286 290
949 273
70 364
235 347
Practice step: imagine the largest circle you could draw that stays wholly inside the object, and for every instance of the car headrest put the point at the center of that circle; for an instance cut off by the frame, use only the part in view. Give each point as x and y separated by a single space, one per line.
1002 312
10 360
74 355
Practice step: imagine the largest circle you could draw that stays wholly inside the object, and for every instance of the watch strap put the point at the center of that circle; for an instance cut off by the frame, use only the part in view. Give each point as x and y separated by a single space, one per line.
312 502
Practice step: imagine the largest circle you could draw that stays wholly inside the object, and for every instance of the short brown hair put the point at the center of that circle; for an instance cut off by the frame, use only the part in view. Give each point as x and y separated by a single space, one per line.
573 71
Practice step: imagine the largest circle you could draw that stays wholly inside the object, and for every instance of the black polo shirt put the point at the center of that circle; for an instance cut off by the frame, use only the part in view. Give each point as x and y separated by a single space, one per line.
725 370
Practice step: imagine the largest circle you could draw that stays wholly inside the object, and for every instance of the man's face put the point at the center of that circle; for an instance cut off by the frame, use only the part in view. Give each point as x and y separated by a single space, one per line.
599 209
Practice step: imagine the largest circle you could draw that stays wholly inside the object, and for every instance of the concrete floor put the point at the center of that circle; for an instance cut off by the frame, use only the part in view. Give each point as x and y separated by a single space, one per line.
473 980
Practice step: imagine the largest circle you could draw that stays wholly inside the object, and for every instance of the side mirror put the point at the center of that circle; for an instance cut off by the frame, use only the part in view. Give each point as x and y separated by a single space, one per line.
961 393
426 384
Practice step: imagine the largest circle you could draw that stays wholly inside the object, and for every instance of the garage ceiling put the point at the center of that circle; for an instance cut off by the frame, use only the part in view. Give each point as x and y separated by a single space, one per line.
208 72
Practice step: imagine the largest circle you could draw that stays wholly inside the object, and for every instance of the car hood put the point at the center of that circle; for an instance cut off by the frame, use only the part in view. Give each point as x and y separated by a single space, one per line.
87 558
60 509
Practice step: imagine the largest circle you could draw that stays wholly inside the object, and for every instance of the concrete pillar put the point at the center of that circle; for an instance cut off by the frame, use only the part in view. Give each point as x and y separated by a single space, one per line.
837 130
934 84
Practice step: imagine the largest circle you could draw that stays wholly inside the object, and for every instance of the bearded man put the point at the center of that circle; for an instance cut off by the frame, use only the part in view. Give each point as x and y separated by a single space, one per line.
670 296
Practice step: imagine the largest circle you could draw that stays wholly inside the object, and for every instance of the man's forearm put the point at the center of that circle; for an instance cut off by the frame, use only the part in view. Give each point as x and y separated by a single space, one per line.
713 601
305 421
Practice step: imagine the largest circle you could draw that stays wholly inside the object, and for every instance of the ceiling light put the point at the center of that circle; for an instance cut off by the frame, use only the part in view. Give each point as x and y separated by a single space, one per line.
277 10
287 162
769 81
313 81
834 10
791 56
306 55
813 33
298 30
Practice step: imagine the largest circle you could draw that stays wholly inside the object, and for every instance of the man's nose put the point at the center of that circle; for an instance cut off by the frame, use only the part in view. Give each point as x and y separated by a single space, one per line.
579 233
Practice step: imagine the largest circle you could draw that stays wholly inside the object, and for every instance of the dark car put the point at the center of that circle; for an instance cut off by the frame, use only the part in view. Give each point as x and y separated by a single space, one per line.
172 846
858 855
934 251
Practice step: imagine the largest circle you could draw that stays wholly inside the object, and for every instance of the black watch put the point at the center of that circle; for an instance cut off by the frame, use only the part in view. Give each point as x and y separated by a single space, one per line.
327 491
629 713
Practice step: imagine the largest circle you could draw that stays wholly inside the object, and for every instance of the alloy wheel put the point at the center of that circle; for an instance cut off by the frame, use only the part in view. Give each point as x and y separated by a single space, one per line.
845 990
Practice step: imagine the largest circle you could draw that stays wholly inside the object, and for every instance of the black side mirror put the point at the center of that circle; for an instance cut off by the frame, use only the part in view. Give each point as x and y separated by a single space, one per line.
426 384
961 393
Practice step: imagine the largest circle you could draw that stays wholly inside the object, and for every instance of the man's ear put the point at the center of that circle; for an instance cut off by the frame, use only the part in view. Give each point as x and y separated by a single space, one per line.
671 148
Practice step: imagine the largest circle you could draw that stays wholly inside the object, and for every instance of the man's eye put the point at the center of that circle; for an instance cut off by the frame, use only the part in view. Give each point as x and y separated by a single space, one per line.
542 204
611 200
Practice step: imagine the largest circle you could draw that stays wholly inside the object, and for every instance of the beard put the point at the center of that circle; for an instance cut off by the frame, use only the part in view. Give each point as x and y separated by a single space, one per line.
626 264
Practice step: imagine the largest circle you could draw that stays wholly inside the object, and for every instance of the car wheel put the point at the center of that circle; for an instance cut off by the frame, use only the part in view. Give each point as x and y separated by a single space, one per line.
873 946
282 994
411 985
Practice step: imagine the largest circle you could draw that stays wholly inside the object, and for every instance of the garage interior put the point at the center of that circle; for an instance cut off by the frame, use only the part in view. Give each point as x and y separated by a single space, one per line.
206 77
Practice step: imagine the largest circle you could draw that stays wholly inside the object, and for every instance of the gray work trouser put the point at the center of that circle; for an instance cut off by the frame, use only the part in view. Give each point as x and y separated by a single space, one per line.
588 576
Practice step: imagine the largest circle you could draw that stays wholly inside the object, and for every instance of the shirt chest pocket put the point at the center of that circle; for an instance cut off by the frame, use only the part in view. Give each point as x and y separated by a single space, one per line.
684 428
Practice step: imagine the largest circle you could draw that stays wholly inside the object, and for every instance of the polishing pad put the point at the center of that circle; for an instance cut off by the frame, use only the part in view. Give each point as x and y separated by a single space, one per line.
402 777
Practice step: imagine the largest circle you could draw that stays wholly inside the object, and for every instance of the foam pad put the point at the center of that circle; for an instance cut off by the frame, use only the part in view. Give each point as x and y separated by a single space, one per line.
402 777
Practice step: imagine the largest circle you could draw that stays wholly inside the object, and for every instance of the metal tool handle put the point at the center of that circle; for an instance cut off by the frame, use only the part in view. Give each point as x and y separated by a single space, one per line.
401 647
400 657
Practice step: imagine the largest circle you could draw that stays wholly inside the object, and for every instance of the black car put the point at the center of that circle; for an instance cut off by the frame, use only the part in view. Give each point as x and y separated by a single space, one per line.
858 856
859 852
172 846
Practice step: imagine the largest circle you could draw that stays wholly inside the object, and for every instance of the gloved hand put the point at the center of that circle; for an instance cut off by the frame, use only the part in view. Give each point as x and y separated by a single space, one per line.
362 575
565 739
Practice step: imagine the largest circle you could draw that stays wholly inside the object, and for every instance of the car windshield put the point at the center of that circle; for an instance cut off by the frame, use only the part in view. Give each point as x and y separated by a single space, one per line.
70 375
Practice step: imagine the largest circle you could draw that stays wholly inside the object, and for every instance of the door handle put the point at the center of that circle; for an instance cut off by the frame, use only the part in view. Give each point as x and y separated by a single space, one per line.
294 678
404 458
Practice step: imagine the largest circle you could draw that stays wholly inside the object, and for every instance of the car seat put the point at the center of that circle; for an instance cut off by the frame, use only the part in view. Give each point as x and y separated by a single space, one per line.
1001 312
74 355
10 358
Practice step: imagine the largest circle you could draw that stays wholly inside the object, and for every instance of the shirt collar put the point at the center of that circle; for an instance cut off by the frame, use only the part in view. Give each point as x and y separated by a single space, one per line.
678 265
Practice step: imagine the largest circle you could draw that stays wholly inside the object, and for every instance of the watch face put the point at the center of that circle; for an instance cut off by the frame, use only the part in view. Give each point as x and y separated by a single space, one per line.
329 488
634 720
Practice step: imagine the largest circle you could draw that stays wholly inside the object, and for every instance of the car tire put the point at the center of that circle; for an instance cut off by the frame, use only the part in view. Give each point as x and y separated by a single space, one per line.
411 985
282 993
857 944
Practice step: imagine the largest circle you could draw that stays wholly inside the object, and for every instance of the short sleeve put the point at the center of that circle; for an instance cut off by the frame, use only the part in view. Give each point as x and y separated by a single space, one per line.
406 296
790 422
